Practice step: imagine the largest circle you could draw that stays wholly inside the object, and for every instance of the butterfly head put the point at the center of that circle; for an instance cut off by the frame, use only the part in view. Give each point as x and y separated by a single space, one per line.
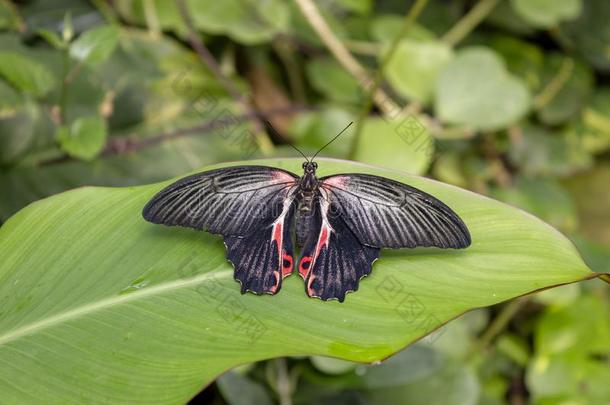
310 167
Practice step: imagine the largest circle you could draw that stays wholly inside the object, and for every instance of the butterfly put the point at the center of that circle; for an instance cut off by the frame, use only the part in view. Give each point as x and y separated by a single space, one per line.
341 221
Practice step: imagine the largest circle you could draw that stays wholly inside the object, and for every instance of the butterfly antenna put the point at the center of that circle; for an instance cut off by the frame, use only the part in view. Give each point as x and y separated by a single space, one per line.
281 137
299 150
332 140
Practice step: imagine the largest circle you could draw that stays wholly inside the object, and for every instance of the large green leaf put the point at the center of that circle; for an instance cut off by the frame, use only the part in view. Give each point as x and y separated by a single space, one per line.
97 305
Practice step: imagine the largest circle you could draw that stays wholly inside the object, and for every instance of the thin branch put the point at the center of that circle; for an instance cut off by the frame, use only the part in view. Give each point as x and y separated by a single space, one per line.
554 86
469 22
205 55
285 50
19 22
364 47
344 57
499 323
128 145
284 387
208 59
106 10
151 18
409 20
63 91
135 143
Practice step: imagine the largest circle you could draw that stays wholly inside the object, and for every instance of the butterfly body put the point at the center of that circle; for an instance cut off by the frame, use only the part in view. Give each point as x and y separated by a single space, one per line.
308 187
341 222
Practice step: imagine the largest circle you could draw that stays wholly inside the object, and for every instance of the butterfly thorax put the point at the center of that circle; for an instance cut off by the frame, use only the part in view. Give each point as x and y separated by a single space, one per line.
308 187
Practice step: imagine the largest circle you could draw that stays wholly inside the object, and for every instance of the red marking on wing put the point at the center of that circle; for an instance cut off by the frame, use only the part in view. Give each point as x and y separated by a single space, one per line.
310 292
304 271
276 274
287 265
336 181
311 261
322 241
277 234
281 177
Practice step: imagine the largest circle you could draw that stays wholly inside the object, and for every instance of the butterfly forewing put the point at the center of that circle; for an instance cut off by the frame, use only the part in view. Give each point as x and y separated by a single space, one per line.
387 214
233 201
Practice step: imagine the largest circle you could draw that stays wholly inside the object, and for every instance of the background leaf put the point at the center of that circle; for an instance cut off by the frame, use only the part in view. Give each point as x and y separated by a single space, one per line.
96 45
238 390
247 22
85 138
571 96
414 67
26 74
547 13
330 79
590 32
402 143
475 89
571 342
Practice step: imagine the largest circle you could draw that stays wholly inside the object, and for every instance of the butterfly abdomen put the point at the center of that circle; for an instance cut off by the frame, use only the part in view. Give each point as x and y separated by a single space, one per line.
306 225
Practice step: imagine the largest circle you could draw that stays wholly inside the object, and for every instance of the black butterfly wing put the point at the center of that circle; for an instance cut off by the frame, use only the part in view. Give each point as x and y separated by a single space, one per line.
252 207
232 201
389 214
333 260
355 215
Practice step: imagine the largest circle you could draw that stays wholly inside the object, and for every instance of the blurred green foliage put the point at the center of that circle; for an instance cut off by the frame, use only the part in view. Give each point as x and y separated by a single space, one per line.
514 104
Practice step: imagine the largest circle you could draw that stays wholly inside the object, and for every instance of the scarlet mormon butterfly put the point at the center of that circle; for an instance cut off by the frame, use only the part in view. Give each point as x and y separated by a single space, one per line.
342 221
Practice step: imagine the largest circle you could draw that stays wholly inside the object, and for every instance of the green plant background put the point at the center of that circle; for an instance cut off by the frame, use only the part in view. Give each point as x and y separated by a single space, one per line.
509 99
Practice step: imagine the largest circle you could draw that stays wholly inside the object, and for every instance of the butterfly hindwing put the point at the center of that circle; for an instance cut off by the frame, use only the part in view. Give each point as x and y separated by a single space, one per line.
387 214
232 201
264 257
333 260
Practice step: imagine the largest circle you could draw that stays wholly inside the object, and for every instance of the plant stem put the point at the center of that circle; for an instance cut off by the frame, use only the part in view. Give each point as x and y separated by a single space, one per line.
284 382
548 93
18 20
106 10
469 22
285 51
343 56
364 48
63 91
208 60
409 20
152 20
499 323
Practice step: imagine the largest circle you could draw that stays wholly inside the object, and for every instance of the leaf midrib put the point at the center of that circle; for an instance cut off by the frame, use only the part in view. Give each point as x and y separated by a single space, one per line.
74 313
